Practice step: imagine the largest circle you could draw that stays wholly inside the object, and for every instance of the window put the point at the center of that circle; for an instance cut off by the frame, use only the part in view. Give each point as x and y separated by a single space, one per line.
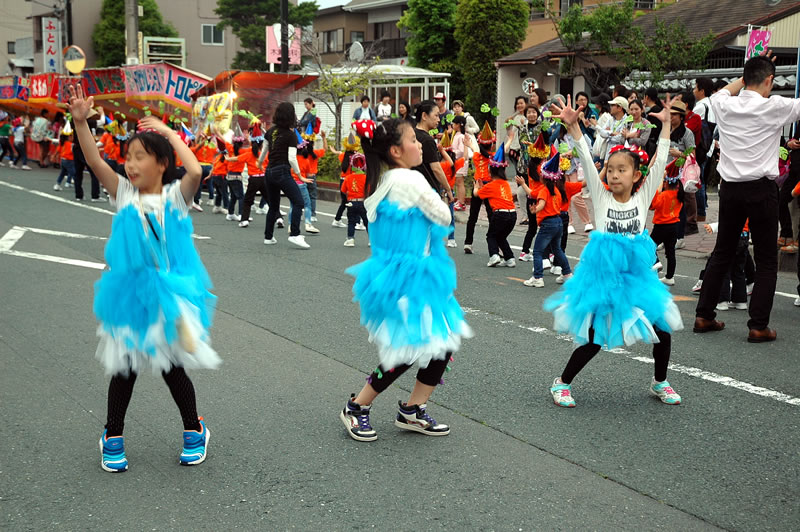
11 45
356 36
333 41
644 4
566 4
212 35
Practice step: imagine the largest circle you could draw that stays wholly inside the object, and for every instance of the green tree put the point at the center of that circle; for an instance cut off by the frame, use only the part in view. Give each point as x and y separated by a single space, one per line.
432 43
490 29
108 37
249 18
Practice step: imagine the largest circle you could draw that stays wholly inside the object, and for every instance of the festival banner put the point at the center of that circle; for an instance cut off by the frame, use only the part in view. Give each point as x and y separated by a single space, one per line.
104 83
274 44
162 82
51 44
43 88
758 43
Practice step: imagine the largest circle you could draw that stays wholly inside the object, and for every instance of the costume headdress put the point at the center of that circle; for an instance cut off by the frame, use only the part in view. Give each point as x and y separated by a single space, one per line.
309 134
643 157
447 141
238 136
358 162
352 142
499 159
552 168
66 130
486 136
365 128
221 146
301 142
538 149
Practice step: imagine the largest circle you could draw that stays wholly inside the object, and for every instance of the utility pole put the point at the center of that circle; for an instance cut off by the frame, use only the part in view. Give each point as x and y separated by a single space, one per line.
284 36
131 32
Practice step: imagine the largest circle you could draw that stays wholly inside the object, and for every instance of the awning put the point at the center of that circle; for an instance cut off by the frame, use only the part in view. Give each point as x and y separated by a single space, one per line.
22 62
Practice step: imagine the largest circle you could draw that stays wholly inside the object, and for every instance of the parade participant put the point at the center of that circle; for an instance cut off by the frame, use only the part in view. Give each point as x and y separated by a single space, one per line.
447 159
67 163
351 145
405 289
236 165
480 160
255 172
308 160
733 294
615 297
205 152
535 151
20 133
219 170
750 128
667 205
353 187
302 181
153 303
461 151
550 197
504 216
282 147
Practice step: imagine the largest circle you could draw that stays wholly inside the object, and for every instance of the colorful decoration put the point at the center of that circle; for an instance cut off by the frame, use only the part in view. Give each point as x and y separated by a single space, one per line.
358 163
352 142
365 128
538 149
485 108
486 135
499 159
552 168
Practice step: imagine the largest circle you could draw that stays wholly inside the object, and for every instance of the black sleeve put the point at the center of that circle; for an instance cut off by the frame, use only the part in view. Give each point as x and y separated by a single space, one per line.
291 141
429 152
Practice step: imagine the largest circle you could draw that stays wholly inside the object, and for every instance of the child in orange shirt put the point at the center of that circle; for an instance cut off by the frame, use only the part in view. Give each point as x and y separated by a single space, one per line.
446 158
205 156
531 189
667 205
312 158
219 169
354 188
255 171
67 160
549 202
481 160
504 216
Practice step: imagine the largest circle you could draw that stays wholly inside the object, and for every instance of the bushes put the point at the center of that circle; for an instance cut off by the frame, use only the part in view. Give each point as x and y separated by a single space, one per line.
329 168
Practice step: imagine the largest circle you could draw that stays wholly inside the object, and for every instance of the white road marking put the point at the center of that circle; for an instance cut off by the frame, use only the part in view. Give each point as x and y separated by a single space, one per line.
678 368
10 238
59 260
59 233
13 235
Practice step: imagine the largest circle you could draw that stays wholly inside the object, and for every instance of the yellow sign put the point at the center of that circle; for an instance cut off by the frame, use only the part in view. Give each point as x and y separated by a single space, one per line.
74 59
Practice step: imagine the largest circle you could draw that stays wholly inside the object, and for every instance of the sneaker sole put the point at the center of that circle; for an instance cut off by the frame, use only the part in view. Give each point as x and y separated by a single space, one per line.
104 466
350 432
573 405
413 428
202 458
654 394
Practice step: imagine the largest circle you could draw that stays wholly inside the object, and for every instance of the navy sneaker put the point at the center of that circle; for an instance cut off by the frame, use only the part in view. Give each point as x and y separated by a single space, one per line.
112 454
414 417
356 419
195 445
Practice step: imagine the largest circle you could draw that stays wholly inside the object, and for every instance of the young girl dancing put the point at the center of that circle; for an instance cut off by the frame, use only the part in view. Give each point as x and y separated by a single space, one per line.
667 205
153 302
615 297
405 289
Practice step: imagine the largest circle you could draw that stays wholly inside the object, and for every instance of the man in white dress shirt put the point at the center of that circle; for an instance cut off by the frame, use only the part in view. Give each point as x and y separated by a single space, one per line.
750 126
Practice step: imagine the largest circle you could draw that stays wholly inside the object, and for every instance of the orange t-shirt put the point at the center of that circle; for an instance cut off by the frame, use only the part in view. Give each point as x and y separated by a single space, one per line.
237 166
313 163
448 172
666 206
220 166
796 190
118 153
251 161
205 153
552 204
354 185
481 167
571 189
108 145
65 151
498 192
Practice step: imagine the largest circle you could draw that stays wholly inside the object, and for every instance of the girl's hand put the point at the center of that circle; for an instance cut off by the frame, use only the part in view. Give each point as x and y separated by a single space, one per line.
519 180
675 152
568 115
663 115
79 106
151 122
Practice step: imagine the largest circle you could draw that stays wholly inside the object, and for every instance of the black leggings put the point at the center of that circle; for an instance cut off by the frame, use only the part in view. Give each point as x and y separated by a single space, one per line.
380 379
583 354
474 210
342 202
667 234
120 390
533 226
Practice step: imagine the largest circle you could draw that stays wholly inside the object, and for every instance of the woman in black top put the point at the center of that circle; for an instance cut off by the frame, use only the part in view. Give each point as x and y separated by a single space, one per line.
281 141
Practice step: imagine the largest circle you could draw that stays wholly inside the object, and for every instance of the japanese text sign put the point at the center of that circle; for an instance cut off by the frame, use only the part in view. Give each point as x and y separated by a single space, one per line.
51 44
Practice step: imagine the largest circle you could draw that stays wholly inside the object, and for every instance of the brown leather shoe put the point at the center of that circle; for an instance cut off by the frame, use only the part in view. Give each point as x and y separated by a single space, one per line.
758 336
702 325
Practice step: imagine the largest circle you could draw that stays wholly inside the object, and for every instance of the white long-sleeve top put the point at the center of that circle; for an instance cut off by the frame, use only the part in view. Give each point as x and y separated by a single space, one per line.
610 215
408 188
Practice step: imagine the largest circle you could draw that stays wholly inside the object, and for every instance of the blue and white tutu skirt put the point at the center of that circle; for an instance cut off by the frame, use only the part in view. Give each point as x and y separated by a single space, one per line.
615 291
144 312
406 289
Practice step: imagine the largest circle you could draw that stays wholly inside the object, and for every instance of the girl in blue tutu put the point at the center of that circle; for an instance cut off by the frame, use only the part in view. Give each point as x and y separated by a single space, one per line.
615 297
405 289
153 301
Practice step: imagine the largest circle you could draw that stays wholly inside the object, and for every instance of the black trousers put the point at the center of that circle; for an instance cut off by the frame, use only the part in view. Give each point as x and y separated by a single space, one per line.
500 226
279 178
7 150
533 226
785 199
667 234
80 166
342 202
381 378
758 201
736 276
255 184
475 209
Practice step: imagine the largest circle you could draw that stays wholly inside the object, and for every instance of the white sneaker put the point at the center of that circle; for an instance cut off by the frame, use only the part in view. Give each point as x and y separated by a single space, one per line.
534 282
451 243
570 230
668 281
2 163
279 223
244 223
738 306
311 229
797 302
338 223
350 243
546 263
299 241
587 228
561 279
281 211
210 203
658 266
26 167
259 210
195 206
555 270
468 249
698 286
750 289
67 185
722 305
101 199
57 187
494 260
217 210
360 227
680 244
270 241
660 247
511 263
231 217
526 257
314 219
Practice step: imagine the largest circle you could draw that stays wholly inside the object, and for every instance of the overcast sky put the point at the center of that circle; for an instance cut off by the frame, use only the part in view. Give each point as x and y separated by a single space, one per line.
330 3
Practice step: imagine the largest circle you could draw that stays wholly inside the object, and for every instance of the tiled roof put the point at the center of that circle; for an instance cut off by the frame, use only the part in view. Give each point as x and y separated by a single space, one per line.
357 5
723 18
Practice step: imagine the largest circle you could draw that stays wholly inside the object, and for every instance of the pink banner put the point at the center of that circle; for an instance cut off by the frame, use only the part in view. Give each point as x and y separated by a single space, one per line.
161 82
759 41
274 44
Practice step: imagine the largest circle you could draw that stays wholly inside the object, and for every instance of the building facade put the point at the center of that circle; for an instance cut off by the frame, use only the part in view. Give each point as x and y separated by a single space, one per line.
15 56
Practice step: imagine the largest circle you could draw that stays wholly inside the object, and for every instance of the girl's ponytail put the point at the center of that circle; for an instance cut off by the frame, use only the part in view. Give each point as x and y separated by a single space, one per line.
376 140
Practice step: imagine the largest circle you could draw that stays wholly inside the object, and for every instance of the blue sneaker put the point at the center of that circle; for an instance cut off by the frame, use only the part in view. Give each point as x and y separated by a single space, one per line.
665 393
562 394
112 454
195 445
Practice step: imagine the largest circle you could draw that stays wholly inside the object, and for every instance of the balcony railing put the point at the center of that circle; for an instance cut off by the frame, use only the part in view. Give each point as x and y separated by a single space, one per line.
386 48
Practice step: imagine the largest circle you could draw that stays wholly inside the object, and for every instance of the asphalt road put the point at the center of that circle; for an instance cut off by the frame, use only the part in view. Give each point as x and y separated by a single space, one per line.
293 351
